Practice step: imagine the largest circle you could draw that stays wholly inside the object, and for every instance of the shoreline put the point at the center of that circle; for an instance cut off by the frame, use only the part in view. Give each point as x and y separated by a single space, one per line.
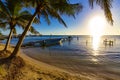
33 70
40 64
37 69
66 63
52 70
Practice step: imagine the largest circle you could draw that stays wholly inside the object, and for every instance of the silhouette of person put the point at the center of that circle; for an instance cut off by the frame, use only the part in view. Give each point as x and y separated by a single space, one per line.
86 42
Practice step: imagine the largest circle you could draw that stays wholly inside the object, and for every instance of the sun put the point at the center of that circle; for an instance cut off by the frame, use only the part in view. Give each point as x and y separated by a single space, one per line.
96 27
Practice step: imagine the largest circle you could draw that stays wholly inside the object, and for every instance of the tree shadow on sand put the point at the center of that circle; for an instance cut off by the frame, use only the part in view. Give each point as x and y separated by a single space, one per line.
10 68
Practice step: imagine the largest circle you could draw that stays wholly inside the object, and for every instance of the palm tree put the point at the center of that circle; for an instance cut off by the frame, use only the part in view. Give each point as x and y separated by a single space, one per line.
12 15
0 33
105 5
48 8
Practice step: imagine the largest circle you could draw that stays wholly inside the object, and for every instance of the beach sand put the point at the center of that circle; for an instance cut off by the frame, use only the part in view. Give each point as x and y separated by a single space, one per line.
42 66
27 68
45 71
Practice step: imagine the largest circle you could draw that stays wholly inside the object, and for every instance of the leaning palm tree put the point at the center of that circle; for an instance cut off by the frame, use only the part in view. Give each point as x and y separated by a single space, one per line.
48 8
105 5
12 15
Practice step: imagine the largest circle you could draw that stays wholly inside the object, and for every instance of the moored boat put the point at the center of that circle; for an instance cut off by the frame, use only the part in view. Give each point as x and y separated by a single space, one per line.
47 42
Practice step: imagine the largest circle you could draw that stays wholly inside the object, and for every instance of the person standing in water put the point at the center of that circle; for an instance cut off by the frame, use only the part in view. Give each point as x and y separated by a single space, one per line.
86 42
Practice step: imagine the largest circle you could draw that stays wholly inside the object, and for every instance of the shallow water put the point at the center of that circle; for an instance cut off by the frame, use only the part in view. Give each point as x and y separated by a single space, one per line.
81 55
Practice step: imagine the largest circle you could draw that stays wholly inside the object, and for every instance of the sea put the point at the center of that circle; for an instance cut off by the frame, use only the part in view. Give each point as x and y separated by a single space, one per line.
82 53
83 45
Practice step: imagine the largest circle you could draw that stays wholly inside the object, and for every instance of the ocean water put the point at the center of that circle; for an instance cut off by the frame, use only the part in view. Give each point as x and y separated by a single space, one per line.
86 49
80 54
83 46
29 39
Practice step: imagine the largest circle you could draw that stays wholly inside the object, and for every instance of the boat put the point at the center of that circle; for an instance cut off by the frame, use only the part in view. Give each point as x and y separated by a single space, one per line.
50 42
44 43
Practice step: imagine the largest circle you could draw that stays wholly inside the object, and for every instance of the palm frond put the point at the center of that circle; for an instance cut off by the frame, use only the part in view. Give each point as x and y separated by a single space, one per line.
91 3
26 16
13 6
46 17
55 8
4 9
33 30
14 31
3 25
3 16
105 5
64 7
54 14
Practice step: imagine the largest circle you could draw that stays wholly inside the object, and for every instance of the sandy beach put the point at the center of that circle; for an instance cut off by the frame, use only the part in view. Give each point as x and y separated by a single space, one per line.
33 70
39 65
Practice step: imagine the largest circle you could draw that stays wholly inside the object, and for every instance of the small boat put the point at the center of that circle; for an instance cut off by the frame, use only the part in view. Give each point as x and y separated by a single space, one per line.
47 42
50 42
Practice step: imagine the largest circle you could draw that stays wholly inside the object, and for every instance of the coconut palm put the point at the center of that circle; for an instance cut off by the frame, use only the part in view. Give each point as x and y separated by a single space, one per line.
48 8
105 5
12 15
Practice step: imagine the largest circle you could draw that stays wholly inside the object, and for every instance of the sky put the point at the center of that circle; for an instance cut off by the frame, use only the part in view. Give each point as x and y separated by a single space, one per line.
80 25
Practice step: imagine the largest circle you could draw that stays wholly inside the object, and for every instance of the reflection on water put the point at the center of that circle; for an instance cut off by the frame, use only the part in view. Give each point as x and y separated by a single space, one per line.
94 60
96 42
95 46
95 53
76 57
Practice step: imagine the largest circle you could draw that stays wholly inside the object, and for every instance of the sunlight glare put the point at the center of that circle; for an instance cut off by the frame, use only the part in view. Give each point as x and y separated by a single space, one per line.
96 25
94 60
95 42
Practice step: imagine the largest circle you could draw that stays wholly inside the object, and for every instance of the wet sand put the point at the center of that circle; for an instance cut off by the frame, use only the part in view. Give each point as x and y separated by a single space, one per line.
76 64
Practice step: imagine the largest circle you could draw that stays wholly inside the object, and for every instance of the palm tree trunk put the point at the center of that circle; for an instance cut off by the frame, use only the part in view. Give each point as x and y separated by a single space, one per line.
17 47
9 39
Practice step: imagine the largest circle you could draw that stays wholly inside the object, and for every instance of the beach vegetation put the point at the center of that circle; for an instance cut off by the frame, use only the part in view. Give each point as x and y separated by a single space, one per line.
106 5
1 33
11 15
47 9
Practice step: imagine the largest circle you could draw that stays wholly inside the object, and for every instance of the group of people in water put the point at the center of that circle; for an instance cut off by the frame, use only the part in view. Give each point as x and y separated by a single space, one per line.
108 42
